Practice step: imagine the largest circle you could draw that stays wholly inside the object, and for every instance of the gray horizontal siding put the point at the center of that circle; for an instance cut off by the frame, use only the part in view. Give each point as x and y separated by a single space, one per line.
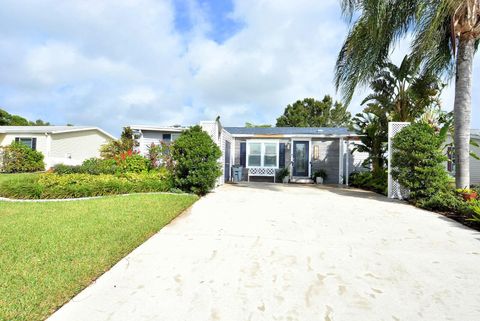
329 158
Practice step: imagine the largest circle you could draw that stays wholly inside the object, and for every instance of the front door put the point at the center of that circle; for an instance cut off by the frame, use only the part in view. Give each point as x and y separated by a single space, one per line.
227 162
300 158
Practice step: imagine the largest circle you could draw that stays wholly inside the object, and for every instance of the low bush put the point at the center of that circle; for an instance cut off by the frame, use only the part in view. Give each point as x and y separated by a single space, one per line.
51 185
445 201
130 162
367 180
19 158
195 157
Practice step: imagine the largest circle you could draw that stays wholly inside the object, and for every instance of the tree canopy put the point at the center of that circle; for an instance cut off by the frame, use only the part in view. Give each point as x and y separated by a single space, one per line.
7 119
310 112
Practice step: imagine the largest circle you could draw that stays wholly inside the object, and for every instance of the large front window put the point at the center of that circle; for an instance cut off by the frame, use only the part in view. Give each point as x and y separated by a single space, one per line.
262 154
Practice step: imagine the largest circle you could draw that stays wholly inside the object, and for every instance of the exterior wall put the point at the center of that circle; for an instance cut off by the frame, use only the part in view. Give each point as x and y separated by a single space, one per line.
329 158
474 163
7 139
219 137
75 147
236 153
151 136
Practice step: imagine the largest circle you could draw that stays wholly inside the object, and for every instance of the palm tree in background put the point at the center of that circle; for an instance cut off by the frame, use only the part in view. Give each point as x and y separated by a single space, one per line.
445 36
403 92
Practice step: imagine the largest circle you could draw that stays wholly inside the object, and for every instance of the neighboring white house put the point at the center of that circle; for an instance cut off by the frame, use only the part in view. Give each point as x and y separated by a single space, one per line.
148 135
474 163
69 145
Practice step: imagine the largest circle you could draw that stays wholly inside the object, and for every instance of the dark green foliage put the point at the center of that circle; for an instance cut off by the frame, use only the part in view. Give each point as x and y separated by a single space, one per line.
372 127
195 156
282 173
320 173
313 113
19 158
418 161
7 119
252 125
446 201
368 180
83 185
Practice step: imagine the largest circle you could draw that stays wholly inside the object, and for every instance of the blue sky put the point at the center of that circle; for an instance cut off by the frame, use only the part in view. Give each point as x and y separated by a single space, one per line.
115 63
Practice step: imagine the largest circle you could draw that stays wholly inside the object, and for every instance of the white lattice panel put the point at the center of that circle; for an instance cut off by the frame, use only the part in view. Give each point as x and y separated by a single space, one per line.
261 171
395 190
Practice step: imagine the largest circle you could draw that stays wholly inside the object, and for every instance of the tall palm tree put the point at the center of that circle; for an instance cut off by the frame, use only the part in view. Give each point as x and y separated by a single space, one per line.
445 36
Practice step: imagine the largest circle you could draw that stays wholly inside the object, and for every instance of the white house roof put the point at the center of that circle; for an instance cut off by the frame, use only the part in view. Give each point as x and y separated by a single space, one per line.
48 130
291 131
159 128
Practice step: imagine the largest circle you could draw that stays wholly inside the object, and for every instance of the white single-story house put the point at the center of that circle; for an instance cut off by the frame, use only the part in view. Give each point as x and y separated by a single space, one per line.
148 135
263 151
69 145
474 163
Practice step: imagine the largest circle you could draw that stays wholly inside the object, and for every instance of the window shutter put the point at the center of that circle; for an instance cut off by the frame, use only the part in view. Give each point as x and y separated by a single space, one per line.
17 139
34 143
281 160
243 154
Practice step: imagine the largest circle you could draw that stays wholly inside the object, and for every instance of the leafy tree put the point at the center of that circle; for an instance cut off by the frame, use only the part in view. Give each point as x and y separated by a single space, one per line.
446 34
125 144
418 160
252 125
7 119
195 156
403 92
313 113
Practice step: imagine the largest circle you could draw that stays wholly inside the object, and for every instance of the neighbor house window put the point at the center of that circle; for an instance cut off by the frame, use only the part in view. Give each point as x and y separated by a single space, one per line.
451 159
167 137
262 154
27 141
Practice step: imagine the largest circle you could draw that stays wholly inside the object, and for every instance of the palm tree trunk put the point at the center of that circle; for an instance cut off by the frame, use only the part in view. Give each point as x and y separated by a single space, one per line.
462 110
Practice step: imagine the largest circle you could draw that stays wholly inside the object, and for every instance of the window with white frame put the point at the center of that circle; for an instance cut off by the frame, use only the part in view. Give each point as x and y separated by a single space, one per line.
262 154
27 141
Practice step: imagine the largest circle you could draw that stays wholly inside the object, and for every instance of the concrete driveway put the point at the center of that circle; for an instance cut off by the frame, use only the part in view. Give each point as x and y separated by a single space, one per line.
274 252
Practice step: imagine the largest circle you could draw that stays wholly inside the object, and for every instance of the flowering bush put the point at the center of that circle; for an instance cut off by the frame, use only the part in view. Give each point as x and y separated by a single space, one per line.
131 161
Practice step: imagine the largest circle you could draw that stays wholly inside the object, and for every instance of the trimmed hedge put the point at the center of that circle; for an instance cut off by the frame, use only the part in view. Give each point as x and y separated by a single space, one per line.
49 186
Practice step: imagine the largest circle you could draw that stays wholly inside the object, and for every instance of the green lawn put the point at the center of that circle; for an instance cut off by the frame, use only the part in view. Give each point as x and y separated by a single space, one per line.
51 251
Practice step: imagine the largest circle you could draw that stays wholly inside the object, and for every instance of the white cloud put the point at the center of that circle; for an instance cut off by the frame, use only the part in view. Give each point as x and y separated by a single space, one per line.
112 63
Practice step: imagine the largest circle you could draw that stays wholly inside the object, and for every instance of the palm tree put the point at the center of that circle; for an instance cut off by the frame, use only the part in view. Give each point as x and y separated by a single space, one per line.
445 36
403 92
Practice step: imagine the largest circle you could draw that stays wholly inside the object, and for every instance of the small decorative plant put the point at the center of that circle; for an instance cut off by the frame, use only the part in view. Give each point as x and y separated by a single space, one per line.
468 194
319 176
283 174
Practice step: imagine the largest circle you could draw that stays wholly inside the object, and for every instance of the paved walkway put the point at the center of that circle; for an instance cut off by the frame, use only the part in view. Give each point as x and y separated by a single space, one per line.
273 252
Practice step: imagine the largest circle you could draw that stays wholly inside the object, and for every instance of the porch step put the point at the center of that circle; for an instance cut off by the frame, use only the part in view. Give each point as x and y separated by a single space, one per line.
301 180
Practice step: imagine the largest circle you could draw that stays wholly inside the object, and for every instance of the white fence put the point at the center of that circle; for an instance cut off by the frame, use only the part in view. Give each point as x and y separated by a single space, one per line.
395 190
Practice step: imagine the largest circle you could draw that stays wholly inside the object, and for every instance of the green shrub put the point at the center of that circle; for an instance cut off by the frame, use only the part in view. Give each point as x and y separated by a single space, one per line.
282 173
418 161
19 158
130 162
52 185
368 180
93 166
195 158
445 201
97 166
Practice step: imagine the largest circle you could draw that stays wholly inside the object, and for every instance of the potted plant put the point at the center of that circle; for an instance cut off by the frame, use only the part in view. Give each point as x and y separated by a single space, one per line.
283 175
468 194
319 176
